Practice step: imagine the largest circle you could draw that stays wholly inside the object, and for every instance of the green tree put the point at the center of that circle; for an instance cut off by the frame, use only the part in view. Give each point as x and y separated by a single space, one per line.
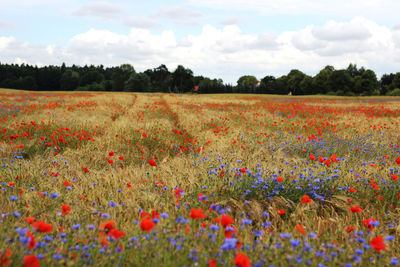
366 83
91 76
138 82
247 84
294 78
182 79
120 75
341 81
69 80
267 85
322 81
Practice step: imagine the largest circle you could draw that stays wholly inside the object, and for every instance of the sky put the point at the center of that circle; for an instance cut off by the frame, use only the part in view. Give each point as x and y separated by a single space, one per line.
214 38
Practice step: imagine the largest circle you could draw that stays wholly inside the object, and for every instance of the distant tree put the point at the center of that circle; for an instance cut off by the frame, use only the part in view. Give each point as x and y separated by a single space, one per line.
294 78
160 78
208 86
322 81
91 76
386 83
306 85
120 75
247 84
182 79
69 80
138 82
366 83
354 71
340 80
267 85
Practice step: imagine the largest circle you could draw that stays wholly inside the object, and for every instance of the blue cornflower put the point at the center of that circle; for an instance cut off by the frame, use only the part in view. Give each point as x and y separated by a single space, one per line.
13 198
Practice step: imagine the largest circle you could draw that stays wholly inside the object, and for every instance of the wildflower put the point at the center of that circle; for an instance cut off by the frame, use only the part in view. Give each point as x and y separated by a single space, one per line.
355 209
306 199
152 163
31 261
312 157
117 234
110 161
107 225
334 158
279 179
147 224
226 220
281 212
85 169
300 228
5 259
13 198
395 177
212 263
121 158
242 260
378 244
30 220
398 160
67 183
65 209
197 213
111 154
350 229
43 227
352 190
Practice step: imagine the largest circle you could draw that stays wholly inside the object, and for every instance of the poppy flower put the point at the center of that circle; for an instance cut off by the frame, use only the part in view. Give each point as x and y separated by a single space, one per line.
32 243
5 259
110 161
226 220
147 224
212 263
67 183
355 209
121 158
334 158
398 160
352 190
197 213
281 211
242 260
279 179
65 209
300 228
312 157
43 227
395 177
85 169
111 154
378 244
152 163
305 199
350 229
107 225
116 233
31 261
30 220
368 225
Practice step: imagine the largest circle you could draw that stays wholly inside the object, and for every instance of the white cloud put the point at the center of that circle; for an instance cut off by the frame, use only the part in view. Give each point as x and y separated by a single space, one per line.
232 20
99 9
226 52
140 22
6 25
342 31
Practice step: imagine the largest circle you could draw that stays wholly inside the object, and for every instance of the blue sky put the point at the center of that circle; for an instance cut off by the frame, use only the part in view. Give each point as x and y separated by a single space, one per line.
215 38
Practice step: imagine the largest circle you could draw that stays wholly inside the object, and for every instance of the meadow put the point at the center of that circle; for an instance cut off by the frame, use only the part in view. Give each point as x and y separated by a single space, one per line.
129 179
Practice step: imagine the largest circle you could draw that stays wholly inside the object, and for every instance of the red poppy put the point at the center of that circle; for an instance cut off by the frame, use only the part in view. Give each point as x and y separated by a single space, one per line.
350 229
212 263
197 213
30 220
320 159
4 259
352 190
110 161
242 260
111 154
152 163
300 228
67 183
107 225
368 225
395 177
334 158
85 169
281 211
43 227
117 234
121 158
147 225
66 209
226 220
398 160
31 261
312 157
355 209
378 244
306 199
32 243
279 179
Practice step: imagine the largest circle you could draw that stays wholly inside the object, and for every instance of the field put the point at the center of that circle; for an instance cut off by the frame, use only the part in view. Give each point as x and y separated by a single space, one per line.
109 179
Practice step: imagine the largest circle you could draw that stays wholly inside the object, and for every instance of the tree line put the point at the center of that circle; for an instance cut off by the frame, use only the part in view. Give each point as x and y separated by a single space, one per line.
347 82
